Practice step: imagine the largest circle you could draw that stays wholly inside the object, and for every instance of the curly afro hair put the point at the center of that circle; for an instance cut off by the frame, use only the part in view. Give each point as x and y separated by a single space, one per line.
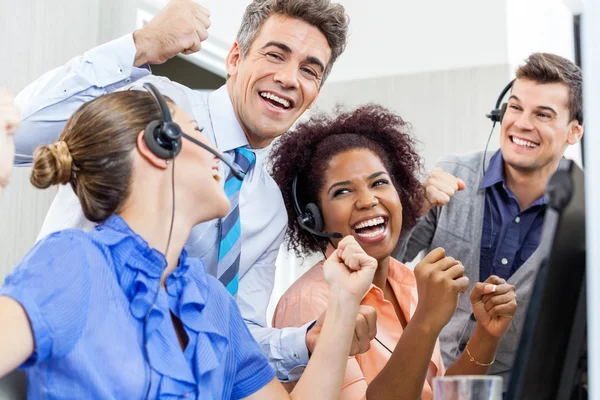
307 151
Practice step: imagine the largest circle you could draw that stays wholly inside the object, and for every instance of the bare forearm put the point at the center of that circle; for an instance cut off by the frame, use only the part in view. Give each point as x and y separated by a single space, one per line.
406 369
16 337
483 349
324 374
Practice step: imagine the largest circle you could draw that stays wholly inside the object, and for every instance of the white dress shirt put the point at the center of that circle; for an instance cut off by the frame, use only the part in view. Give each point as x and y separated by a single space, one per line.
47 104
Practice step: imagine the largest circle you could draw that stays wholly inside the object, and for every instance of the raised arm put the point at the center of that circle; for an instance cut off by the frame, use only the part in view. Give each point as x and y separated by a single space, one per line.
17 342
285 348
288 349
48 102
440 281
349 272
438 188
494 305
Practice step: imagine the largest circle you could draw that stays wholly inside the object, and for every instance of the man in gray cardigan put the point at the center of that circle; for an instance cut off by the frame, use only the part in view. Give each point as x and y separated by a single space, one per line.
492 221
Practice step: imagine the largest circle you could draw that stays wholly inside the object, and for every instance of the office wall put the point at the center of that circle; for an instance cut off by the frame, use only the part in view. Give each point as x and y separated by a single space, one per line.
36 36
445 108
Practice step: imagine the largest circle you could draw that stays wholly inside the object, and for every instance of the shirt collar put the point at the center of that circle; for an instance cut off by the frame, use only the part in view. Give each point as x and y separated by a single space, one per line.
495 171
495 174
228 132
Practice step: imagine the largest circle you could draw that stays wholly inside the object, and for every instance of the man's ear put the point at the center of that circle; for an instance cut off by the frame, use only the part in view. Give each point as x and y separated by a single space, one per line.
148 154
575 132
233 59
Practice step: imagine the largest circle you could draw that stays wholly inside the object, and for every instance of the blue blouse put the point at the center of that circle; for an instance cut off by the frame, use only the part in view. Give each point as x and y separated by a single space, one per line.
87 294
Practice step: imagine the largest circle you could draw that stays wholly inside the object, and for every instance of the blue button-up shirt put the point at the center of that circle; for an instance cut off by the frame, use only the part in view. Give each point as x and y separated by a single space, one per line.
510 235
87 294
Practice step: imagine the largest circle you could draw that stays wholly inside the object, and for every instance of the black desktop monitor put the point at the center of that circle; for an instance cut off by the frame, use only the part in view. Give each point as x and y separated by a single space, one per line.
551 359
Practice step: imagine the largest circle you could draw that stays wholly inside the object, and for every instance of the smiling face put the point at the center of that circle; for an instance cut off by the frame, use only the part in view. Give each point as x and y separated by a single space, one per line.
278 79
537 128
198 170
358 198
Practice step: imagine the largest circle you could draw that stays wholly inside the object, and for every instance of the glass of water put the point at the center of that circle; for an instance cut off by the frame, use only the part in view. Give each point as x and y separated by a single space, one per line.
475 387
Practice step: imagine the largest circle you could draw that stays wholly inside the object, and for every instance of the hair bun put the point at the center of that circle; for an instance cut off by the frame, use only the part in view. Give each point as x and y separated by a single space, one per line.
51 165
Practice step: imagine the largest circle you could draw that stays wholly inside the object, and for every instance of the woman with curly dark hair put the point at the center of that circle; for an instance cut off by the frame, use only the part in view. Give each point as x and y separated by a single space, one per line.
356 174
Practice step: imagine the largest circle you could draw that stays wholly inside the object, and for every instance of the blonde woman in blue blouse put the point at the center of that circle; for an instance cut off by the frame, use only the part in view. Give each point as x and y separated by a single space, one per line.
107 314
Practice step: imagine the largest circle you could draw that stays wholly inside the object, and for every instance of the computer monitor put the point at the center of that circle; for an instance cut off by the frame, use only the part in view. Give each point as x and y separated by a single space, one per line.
551 359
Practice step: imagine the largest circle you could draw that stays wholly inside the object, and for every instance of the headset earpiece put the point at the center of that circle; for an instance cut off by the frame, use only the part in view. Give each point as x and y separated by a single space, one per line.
497 114
502 112
310 219
158 147
312 212
163 137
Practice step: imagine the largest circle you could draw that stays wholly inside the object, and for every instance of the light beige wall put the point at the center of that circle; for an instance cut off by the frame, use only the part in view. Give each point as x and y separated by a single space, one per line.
445 108
36 36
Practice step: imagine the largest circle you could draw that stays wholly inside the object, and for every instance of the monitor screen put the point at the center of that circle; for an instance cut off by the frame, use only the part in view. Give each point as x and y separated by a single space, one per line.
550 360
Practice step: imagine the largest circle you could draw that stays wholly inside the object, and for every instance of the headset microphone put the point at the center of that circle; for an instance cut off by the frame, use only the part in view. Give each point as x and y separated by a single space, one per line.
310 219
234 169
163 136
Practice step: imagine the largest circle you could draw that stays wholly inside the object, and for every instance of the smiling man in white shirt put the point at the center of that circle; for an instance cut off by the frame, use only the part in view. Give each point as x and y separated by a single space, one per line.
282 55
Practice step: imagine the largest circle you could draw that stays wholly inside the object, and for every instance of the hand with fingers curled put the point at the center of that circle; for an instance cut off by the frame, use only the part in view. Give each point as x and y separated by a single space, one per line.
365 330
180 27
349 271
494 305
440 281
438 188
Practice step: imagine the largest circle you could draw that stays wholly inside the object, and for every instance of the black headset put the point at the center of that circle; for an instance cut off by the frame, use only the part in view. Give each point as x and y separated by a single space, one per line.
163 137
497 114
310 219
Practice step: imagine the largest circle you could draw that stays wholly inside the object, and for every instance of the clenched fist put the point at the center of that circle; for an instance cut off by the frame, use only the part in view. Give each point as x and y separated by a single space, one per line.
180 27
440 280
439 187
494 305
350 269
365 330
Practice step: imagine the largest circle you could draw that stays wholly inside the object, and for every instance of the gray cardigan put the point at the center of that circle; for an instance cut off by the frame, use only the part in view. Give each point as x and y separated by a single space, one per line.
457 228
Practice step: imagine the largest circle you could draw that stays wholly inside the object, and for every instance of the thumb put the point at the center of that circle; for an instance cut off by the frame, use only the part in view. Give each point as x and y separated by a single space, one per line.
461 184
480 289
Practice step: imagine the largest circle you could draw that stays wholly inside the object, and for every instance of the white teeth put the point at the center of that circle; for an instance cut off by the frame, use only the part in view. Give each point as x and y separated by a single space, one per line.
524 143
372 234
370 222
271 96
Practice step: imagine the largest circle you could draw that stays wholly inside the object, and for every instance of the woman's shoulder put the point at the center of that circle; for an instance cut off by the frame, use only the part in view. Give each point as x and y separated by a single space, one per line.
305 299
70 255
401 273
311 282
64 245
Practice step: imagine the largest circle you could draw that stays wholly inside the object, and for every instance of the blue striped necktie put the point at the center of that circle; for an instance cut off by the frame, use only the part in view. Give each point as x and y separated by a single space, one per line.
229 245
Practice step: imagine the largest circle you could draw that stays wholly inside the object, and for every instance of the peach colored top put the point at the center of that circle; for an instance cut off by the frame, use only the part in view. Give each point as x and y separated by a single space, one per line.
306 299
